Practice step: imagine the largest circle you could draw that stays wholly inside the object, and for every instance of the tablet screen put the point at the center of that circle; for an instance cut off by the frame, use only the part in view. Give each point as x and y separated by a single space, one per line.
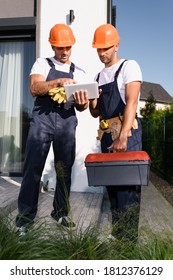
92 89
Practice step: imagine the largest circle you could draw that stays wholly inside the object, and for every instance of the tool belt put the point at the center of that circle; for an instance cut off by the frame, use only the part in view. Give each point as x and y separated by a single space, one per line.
113 126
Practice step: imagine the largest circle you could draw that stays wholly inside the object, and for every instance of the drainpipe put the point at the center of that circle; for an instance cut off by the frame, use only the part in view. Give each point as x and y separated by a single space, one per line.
111 13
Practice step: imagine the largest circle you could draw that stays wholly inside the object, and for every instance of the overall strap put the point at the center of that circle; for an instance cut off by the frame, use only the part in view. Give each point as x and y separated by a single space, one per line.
119 69
72 67
98 76
50 62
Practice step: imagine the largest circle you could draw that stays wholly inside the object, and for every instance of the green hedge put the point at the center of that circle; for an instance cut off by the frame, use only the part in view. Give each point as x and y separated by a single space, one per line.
158 141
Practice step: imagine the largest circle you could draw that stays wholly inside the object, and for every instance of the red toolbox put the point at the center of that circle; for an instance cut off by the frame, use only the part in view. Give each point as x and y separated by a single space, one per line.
116 169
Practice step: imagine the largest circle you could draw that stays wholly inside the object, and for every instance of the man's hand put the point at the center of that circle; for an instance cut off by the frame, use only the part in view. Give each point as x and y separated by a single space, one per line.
65 81
120 144
81 100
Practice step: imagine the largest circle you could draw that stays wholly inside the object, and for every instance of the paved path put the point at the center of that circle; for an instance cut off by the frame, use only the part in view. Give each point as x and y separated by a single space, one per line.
85 207
156 214
93 208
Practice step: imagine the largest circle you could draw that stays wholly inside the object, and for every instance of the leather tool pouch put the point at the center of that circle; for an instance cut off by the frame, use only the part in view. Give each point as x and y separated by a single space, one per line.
113 126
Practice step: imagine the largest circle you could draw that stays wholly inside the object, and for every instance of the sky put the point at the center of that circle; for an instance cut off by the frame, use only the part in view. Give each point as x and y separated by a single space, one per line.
146 31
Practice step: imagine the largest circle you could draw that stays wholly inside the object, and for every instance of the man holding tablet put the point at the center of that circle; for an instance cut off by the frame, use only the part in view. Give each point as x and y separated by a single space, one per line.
53 121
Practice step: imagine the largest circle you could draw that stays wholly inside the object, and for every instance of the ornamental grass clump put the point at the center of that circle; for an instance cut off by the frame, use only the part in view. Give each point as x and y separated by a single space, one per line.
54 242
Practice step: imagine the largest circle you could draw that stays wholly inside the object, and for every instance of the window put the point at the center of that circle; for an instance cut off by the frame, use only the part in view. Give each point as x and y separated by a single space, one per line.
16 59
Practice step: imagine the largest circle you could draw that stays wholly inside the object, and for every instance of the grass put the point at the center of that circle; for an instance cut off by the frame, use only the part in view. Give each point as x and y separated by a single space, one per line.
56 243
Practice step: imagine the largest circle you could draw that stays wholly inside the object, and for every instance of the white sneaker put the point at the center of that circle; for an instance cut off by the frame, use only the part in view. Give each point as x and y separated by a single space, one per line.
21 231
67 222
111 237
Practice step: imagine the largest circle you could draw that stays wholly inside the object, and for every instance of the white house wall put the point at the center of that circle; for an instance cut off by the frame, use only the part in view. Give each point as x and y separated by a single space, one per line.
88 16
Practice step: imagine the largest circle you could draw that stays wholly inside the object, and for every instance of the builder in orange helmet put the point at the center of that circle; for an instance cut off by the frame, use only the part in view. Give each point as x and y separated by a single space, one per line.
53 121
120 129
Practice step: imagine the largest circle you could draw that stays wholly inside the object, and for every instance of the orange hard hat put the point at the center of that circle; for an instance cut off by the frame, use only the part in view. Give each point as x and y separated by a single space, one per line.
105 36
61 35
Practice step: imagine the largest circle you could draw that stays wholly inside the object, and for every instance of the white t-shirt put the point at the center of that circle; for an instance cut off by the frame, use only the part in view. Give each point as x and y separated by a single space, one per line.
130 72
42 67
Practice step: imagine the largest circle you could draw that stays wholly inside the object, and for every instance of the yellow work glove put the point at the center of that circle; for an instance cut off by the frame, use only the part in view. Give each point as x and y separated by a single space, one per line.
104 124
58 94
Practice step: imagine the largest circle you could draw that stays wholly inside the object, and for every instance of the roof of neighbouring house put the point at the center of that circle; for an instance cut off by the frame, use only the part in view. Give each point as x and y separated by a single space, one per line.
158 92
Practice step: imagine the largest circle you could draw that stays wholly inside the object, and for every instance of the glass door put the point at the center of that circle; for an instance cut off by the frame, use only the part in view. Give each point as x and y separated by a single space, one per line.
16 102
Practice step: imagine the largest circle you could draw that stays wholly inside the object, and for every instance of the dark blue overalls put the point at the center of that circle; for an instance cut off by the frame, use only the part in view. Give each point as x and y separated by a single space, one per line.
50 123
110 106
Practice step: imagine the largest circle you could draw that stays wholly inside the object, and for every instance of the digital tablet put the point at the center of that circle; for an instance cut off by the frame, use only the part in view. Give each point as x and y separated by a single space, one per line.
92 89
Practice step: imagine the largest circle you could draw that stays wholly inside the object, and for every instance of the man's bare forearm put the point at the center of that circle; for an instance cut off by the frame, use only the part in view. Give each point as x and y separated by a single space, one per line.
42 87
93 107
